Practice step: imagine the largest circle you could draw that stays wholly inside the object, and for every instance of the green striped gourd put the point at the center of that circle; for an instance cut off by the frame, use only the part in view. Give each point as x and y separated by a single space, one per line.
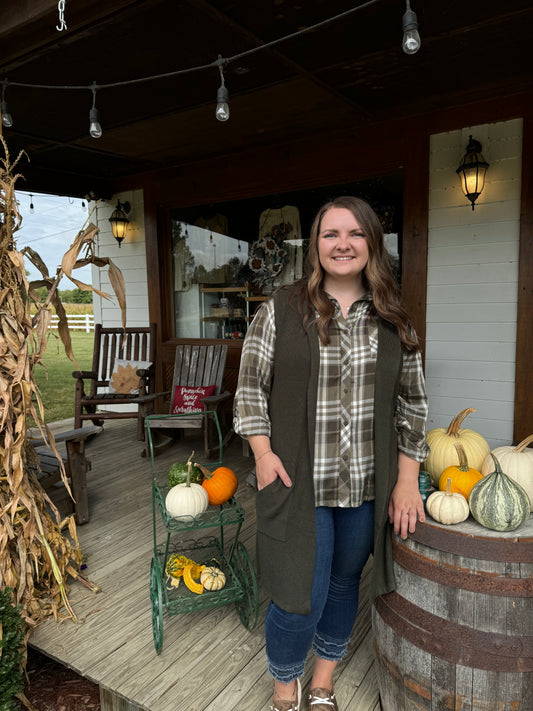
497 502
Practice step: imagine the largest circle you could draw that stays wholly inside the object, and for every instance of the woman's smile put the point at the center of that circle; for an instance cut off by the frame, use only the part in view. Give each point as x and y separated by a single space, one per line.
342 245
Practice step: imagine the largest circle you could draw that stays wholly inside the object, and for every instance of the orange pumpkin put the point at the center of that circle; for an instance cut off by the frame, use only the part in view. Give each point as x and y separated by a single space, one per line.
462 477
220 485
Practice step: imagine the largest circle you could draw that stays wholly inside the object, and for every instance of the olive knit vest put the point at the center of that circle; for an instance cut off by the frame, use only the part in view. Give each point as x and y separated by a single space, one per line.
286 515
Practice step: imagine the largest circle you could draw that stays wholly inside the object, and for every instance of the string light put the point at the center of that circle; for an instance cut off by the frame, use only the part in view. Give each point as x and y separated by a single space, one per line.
411 39
95 129
222 111
411 44
7 119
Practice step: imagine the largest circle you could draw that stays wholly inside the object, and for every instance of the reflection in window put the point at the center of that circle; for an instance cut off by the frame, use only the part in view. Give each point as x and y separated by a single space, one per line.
204 259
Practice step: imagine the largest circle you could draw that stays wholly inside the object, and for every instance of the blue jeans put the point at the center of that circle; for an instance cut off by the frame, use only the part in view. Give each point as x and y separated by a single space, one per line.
344 541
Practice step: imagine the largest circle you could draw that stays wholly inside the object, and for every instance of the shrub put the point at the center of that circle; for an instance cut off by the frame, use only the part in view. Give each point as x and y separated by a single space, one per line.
12 627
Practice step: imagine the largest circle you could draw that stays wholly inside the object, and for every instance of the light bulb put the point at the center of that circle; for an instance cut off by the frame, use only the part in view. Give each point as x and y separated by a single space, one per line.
7 119
411 39
411 42
222 111
95 129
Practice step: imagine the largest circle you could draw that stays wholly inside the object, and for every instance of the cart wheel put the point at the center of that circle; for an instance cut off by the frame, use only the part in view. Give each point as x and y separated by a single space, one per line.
247 607
156 600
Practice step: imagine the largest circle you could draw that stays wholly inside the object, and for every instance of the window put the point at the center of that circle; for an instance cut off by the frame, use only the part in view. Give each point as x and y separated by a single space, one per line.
227 257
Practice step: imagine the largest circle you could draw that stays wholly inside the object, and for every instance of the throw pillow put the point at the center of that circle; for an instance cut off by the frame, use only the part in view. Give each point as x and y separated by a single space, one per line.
188 399
124 379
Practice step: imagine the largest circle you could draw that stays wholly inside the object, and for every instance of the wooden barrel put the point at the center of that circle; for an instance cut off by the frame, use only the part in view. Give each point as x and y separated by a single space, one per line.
457 633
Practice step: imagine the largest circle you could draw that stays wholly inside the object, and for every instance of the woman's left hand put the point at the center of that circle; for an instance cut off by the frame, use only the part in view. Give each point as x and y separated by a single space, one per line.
406 506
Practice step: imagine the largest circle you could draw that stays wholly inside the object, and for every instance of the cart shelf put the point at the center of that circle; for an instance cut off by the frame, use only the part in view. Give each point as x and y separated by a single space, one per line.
228 513
234 561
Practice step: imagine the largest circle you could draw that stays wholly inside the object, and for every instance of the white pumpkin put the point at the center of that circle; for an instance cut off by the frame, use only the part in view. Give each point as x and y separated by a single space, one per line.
212 578
447 508
186 500
516 462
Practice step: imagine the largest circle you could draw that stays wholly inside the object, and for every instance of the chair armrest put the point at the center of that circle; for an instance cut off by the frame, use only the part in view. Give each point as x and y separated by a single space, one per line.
81 374
77 435
215 399
151 396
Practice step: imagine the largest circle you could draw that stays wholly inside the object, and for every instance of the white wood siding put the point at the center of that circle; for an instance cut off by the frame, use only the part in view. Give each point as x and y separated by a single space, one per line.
130 258
473 281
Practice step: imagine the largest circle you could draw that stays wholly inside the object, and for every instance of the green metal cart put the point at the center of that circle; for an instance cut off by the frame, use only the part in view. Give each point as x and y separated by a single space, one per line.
180 536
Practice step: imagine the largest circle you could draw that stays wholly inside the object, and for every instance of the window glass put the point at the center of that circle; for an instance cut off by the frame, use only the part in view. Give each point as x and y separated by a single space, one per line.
204 258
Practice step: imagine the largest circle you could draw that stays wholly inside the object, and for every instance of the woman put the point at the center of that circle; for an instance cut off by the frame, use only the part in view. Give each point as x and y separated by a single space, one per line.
331 398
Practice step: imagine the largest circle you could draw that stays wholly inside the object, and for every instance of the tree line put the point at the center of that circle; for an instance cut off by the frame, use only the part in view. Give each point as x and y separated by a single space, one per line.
69 296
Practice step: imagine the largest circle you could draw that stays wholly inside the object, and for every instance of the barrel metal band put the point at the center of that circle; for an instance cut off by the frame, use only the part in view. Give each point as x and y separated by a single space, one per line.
455 643
462 578
504 550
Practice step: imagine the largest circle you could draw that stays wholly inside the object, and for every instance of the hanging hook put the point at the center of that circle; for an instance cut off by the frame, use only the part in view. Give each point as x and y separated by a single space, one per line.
61 10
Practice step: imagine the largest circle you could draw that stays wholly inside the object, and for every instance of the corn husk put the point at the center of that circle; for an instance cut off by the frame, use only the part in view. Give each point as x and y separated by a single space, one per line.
39 552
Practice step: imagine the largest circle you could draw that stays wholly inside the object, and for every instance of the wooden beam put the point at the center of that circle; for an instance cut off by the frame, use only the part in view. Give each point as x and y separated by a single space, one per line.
523 411
415 234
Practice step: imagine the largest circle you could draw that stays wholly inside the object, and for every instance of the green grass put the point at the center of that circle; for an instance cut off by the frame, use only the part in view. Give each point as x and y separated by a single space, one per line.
56 384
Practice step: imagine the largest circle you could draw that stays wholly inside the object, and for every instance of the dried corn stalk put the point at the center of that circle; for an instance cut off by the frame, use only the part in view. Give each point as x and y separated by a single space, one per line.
38 551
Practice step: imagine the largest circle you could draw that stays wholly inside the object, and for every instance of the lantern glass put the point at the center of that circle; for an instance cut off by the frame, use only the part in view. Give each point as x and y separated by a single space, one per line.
119 221
472 171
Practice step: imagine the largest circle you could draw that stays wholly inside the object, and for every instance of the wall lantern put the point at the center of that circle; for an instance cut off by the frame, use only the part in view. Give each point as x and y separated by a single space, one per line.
472 171
119 221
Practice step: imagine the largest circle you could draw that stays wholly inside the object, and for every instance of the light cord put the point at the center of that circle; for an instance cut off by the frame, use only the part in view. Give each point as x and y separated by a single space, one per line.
217 63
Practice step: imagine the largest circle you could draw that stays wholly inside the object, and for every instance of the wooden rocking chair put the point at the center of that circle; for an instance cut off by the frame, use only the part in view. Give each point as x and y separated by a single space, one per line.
122 374
195 366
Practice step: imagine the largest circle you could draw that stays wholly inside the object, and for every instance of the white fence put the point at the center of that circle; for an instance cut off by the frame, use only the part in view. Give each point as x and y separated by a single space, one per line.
76 322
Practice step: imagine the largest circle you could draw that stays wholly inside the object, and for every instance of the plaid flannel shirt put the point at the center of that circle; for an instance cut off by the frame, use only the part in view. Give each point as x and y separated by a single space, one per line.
344 442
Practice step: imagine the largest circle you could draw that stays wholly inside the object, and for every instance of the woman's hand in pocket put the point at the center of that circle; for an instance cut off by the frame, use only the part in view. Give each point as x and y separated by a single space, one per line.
268 469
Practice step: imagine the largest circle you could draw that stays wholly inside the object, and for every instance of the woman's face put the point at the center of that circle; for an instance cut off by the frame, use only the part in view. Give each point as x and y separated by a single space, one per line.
342 246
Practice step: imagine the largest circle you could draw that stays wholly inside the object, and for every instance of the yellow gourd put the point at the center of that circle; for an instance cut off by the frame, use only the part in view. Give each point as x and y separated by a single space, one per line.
191 571
174 568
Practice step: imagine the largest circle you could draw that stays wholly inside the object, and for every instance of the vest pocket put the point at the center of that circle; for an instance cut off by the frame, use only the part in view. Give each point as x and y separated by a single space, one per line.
273 504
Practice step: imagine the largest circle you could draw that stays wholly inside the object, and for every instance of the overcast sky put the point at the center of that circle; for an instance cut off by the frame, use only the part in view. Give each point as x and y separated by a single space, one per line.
50 230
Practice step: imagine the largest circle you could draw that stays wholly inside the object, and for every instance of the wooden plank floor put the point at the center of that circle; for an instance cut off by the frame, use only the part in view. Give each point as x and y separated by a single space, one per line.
209 661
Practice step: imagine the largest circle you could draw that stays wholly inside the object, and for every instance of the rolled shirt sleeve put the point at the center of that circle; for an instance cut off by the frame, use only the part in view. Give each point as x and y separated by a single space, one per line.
412 408
255 374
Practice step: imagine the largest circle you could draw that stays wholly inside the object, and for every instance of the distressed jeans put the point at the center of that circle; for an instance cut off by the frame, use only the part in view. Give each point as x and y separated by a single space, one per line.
344 541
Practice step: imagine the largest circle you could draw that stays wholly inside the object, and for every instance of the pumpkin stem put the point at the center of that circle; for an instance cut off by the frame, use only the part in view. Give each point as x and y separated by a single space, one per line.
205 471
455 424
189 469
524 443
448 486
463 460
190 458
497 464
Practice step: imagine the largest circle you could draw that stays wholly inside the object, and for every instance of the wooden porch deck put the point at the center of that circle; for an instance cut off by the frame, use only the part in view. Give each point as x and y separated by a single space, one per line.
209 661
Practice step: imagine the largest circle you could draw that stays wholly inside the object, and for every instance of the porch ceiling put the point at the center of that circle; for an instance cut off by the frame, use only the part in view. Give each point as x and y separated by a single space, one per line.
346 73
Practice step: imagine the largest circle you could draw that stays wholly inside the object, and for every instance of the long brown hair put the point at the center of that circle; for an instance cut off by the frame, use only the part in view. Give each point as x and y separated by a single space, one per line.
377 275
